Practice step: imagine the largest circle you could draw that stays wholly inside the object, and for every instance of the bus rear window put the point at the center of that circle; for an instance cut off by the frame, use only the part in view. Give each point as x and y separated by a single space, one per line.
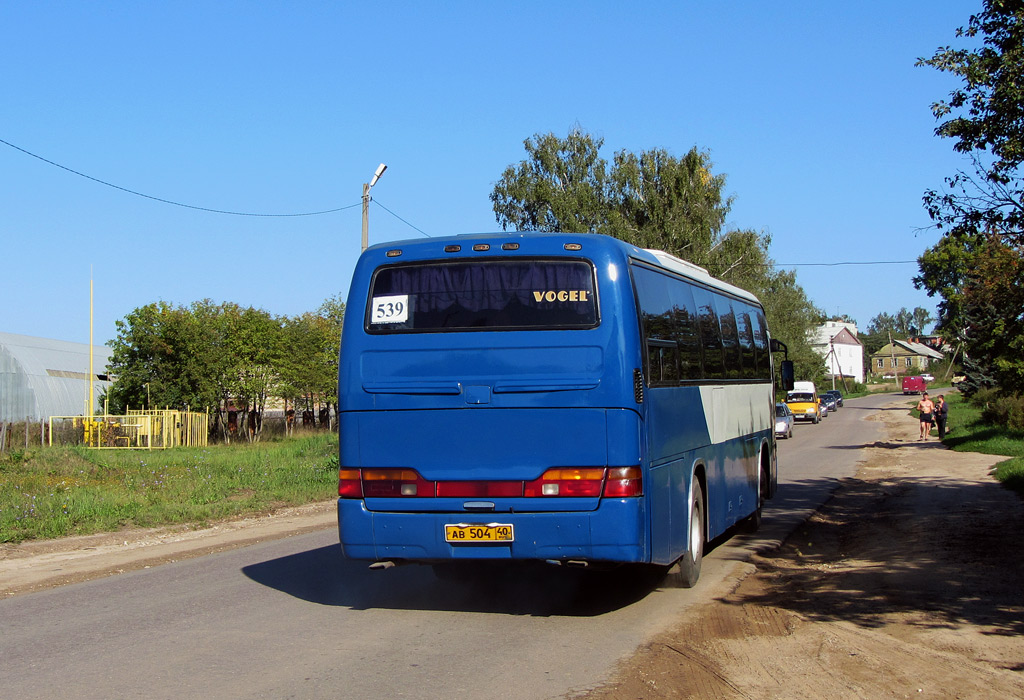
483 295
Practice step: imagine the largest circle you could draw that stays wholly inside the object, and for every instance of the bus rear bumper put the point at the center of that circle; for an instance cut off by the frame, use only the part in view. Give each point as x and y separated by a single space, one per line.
612 533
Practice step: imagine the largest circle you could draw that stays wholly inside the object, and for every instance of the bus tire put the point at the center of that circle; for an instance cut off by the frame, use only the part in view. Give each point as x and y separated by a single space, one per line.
689 564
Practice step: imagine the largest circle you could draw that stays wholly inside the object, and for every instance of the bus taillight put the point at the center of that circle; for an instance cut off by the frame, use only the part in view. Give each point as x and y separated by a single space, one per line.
567 483
350 484
395 483
624 482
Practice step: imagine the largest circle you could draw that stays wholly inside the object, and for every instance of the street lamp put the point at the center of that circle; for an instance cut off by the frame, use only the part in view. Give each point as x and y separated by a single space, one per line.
366 202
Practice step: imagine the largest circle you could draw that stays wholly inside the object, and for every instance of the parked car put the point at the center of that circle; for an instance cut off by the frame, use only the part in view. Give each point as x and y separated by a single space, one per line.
830 401
824 407
838 396
928 377
783 421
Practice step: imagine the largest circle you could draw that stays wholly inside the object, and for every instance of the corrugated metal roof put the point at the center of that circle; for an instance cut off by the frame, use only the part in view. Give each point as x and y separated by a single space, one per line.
920 349
40 377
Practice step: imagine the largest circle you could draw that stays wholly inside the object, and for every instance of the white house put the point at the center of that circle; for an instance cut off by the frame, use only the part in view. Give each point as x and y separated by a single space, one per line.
837 342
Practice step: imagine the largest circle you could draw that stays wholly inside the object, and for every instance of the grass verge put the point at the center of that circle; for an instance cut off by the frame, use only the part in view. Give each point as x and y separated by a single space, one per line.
57 491
971 434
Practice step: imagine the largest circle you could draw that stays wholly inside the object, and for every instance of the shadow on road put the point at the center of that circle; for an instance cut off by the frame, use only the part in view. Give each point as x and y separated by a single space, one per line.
324 577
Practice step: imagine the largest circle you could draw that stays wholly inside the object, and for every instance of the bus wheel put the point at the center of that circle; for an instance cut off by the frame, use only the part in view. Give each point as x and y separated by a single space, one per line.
689 565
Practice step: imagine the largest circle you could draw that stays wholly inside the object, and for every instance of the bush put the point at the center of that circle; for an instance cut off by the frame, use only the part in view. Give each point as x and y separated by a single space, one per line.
1000 409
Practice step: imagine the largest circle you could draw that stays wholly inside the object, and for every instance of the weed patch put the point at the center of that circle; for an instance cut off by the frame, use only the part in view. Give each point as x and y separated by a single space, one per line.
57 491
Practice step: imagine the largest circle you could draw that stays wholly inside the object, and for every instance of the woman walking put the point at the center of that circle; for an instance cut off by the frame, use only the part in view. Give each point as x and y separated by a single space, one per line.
941 413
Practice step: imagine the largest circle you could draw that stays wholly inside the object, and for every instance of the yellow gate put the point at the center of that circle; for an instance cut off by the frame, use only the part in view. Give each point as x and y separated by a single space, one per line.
137 430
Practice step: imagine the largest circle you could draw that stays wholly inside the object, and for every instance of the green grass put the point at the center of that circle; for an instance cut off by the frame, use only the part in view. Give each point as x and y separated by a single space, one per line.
57 491
971 434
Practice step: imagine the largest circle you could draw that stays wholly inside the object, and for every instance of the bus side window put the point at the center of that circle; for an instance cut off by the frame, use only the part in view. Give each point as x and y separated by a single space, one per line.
730 338
663 356
686 334
763 357
658 318
750 370
710 334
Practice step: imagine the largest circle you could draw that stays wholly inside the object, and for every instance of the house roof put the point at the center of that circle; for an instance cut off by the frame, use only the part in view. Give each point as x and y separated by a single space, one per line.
845 337
830 330
905 347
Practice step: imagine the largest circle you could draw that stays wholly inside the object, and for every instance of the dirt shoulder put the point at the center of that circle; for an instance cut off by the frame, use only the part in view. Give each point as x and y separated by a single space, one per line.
35 565
907 583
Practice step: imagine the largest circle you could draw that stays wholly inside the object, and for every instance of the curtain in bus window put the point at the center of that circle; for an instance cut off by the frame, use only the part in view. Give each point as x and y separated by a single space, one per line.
486 294
710 333
743 312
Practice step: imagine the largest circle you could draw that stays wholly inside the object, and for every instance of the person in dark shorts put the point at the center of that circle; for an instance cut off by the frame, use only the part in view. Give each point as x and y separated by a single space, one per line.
927 409
941 413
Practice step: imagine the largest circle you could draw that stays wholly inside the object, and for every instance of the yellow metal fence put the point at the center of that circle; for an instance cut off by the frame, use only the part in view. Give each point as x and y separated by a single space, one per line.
145 430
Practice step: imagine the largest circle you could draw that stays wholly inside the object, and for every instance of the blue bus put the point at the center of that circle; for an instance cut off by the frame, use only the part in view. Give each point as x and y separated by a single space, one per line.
566 398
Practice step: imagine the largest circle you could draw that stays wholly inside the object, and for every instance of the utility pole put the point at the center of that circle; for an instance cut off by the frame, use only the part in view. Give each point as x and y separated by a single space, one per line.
366 203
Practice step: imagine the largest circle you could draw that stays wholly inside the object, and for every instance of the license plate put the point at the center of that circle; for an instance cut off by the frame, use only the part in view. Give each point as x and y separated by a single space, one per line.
492 532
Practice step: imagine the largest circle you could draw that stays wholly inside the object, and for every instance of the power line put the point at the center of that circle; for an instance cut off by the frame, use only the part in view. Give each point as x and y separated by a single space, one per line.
350 206
400 218
168 201
849 262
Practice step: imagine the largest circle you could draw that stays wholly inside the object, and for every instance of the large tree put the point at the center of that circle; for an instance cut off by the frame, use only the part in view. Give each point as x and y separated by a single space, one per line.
992 318
560 186
167 355
985 118
981 211
653 200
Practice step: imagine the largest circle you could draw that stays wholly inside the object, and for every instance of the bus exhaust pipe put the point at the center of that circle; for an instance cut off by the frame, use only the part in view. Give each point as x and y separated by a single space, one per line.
569 563
382 565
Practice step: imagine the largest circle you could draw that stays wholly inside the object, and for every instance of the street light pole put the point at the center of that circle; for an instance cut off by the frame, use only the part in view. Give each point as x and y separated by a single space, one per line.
366 202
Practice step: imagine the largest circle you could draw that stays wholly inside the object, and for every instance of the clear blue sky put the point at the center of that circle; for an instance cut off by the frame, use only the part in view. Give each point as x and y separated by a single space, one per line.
814 111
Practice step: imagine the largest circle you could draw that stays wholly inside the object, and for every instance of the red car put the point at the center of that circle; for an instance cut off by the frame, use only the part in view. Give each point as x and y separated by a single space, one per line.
914 385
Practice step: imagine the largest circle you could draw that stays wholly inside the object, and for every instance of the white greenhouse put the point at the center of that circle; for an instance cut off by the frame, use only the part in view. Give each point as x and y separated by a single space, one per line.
40 377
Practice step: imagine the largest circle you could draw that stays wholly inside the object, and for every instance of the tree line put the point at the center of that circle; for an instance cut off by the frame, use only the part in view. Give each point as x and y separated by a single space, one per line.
225 358
886 327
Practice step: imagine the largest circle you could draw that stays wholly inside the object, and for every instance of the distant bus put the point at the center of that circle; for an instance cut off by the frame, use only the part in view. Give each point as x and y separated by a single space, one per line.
566 398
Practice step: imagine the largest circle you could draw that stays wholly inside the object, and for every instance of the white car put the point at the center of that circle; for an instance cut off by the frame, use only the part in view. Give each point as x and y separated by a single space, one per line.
783 421
928 377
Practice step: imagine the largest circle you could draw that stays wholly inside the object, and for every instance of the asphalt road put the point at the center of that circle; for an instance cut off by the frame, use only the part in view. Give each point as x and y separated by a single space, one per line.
290 618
